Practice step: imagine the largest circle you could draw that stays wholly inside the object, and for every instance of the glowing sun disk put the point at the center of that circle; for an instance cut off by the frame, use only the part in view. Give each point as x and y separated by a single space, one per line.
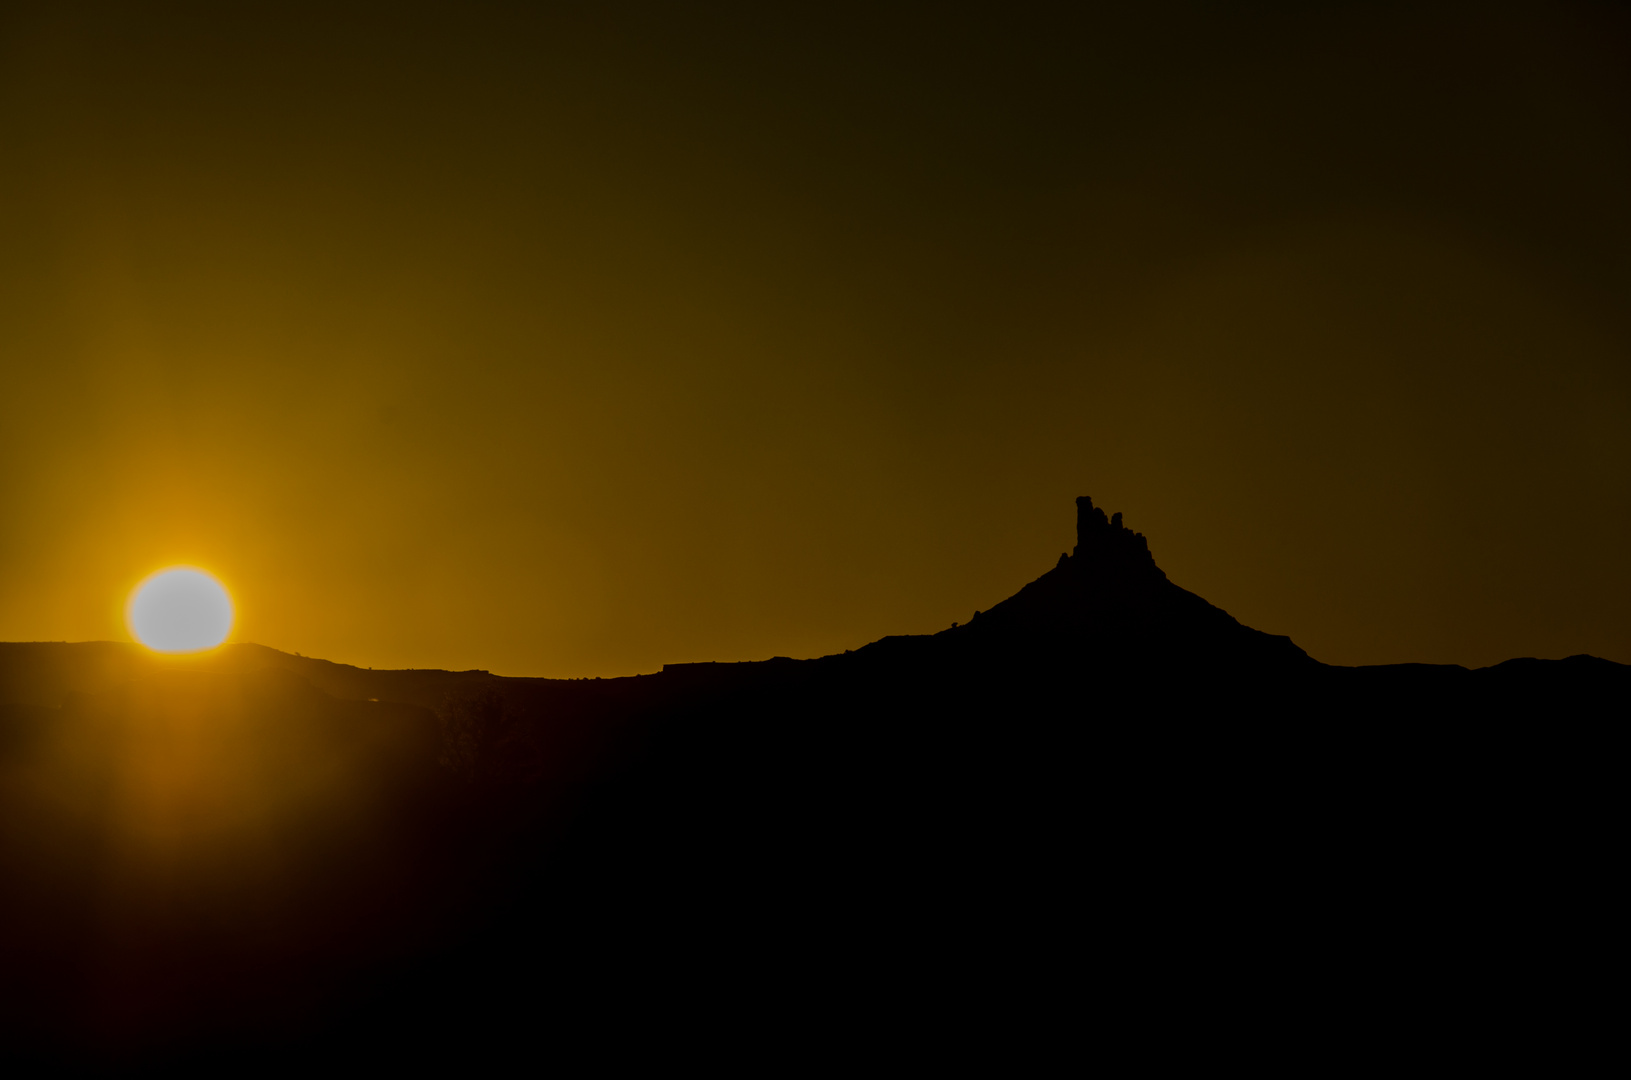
180 610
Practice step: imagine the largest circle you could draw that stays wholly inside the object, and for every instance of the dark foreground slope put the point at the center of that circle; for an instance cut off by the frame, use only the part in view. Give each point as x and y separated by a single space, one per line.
1102 818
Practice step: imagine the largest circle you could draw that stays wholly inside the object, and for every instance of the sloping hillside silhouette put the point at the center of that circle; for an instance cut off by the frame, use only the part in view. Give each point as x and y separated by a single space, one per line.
1102 797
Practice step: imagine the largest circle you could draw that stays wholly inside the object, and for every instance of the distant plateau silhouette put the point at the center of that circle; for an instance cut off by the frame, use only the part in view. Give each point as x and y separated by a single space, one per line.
1101 814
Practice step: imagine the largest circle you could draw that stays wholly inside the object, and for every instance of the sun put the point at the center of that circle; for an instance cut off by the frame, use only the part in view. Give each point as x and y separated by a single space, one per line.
180 610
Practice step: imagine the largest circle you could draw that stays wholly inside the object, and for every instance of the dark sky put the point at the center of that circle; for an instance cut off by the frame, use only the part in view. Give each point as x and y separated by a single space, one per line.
577 342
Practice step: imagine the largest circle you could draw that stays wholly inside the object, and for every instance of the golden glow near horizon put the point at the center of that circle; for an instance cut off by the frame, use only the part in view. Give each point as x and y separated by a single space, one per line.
571 344
180 609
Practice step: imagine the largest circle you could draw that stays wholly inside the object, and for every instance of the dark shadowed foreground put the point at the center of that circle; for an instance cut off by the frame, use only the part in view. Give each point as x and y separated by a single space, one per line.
1101 819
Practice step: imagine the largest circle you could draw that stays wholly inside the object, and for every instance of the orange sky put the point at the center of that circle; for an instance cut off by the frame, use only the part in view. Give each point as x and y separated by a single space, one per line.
577 344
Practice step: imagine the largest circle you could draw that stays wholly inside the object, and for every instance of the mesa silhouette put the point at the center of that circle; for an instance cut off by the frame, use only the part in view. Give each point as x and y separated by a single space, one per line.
1103 783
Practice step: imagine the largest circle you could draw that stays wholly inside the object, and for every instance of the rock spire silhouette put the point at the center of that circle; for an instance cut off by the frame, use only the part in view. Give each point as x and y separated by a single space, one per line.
1110 598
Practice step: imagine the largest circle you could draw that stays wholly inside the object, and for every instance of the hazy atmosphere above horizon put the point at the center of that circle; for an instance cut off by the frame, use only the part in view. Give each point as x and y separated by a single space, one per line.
576 339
